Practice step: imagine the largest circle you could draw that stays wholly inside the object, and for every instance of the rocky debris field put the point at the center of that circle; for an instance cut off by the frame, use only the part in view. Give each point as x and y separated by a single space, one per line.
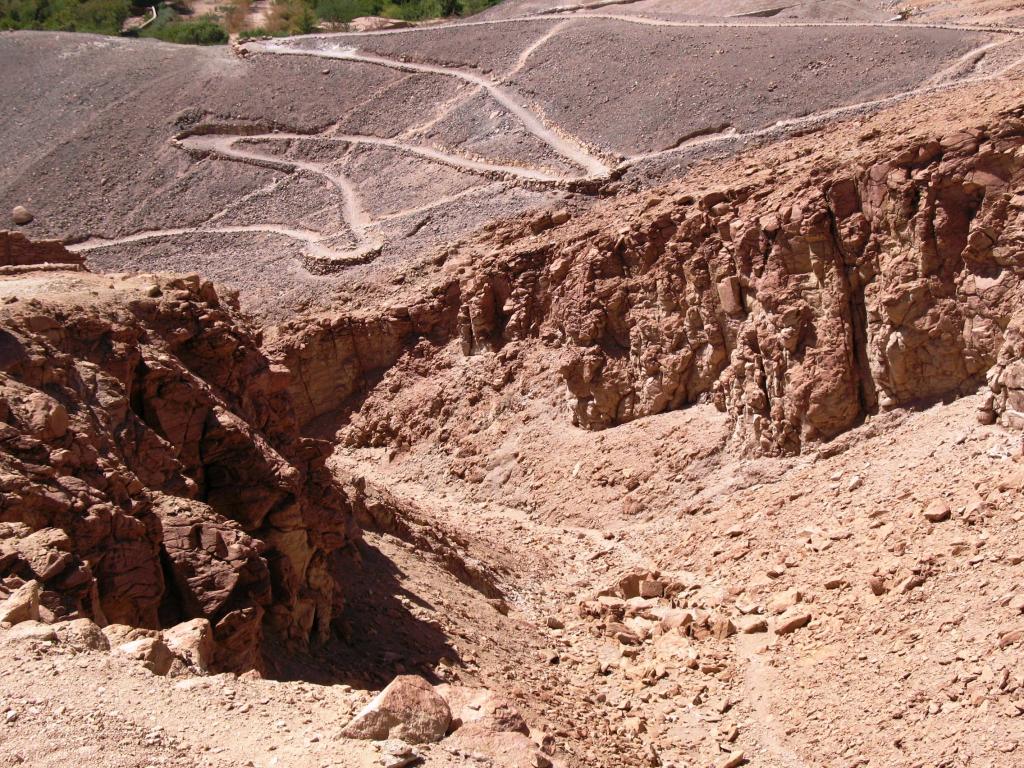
756 76
815 10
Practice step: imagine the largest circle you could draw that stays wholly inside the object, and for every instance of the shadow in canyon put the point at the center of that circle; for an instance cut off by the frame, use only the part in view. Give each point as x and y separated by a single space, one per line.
375 638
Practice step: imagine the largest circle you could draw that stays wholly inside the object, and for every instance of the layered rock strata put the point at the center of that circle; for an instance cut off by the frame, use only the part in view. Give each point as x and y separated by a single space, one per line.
18 252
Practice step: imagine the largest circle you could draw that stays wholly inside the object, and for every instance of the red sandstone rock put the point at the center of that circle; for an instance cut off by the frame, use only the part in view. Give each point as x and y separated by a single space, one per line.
16 250
408 709
798 314
151 469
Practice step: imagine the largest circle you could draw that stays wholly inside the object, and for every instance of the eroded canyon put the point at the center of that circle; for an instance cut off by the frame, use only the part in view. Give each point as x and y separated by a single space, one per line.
615 384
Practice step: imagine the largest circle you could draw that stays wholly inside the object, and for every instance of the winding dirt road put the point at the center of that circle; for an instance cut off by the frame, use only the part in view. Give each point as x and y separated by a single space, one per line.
593 167
568 148
310 238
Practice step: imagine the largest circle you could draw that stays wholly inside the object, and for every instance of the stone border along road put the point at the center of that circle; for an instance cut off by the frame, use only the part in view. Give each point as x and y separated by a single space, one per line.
322 259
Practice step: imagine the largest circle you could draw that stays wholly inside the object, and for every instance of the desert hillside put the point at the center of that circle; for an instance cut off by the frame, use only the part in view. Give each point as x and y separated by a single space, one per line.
611 384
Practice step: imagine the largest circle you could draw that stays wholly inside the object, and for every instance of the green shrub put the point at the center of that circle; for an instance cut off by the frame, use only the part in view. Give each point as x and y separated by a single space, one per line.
245 34
172 28
407 10
419 10
287 17
469 7
346 10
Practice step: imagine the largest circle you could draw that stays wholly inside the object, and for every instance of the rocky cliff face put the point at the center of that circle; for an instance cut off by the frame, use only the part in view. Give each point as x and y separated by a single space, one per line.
887 285
151 468
797 309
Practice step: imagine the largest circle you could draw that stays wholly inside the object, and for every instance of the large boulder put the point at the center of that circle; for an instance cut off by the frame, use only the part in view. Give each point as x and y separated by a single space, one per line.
193 642
117 634
22 605
82 635
509 749
482 707
151 651
21 215
408 709
30 632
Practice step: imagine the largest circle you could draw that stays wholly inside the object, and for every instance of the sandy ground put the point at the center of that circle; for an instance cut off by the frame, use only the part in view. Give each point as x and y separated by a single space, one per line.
762 531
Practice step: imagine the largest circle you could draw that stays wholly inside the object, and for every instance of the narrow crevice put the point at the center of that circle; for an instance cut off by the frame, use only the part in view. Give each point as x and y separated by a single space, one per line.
172 606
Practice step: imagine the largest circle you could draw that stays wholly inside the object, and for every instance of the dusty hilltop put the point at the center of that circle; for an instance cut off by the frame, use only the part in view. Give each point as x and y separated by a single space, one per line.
604 385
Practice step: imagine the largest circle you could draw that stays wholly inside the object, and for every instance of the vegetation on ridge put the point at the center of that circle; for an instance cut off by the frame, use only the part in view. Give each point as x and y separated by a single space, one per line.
172 27
102 16
175 23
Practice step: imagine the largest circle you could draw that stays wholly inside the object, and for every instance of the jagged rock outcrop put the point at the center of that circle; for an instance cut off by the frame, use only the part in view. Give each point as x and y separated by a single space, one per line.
1004 400
151 468
890 284
335 360
798 310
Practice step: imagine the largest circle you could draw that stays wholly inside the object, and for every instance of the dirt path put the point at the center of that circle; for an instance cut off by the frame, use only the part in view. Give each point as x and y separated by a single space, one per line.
444 110
524 57
354 213
571 150
223 145
965 63
362 225
938 82
649 21
568 148
433 204
652 21
455 161
308 237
